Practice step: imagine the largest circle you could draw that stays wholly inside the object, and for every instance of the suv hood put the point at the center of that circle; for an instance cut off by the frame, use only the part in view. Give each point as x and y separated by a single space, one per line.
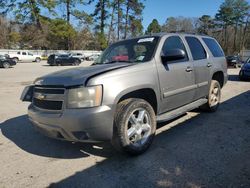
76 76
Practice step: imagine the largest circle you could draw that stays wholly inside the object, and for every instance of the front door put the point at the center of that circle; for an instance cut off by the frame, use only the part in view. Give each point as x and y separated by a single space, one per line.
177 80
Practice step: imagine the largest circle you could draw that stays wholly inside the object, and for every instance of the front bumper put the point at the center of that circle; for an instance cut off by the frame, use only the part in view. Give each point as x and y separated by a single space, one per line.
80 125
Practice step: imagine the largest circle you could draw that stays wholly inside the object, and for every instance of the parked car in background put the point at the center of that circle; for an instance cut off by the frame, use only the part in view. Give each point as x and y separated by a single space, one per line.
25 56
234 61
245 70
6 62
78 55
66 59
92 57
134 84
52 59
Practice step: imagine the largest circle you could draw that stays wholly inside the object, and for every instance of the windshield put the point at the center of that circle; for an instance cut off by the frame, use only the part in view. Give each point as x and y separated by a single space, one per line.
2 57
134 51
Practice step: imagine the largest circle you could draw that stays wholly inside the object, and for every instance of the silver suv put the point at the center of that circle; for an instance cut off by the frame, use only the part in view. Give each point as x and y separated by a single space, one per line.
134 84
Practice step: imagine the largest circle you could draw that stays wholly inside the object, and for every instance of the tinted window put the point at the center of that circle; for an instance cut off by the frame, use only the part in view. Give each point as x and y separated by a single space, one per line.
63 56
24 53
197 50
214 47
51 56
174 42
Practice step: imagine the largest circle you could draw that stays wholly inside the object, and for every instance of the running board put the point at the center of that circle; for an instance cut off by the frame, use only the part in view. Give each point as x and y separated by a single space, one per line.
180 111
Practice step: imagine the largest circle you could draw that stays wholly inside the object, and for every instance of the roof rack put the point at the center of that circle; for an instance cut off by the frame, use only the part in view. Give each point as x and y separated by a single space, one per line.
191 33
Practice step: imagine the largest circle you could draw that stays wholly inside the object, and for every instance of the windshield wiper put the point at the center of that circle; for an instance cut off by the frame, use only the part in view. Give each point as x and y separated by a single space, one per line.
115 61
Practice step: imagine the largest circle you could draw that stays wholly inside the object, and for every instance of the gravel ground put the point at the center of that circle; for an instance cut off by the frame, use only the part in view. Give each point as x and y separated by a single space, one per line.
195 150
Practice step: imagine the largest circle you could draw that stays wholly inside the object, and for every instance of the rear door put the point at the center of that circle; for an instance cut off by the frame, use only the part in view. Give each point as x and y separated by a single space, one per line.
202 66
24 56
177 82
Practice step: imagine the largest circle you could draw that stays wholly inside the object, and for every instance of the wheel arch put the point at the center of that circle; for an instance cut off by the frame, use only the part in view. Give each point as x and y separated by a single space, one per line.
148 94
219 76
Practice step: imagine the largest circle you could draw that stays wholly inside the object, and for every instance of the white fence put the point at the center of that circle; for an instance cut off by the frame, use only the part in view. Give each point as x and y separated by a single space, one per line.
48 52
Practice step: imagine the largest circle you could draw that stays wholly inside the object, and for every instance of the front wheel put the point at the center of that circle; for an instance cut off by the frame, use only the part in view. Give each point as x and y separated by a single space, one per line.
134 126
6 65
15 59
77 62
214 97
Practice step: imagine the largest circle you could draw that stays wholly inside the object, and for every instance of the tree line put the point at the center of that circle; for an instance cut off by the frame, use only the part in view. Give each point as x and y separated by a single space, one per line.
64 25
230 26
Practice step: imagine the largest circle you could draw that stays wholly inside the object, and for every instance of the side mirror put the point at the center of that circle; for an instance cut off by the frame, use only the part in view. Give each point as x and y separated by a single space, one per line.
173 55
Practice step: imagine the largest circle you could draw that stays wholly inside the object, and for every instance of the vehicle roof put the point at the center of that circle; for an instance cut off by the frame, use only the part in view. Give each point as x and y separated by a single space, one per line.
178 33
165 33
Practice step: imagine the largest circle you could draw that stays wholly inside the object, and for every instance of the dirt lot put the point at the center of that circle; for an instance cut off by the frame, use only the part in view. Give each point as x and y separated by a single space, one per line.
202 150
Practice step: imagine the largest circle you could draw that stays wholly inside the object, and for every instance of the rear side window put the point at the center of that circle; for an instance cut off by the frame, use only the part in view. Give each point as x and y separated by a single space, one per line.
174 42
197 50
213 47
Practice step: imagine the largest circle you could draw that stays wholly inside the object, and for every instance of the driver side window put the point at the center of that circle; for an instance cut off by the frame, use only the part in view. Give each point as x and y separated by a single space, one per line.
174 42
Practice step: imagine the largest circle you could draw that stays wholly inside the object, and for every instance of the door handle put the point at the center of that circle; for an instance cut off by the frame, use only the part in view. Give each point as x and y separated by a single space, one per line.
209 65
189 69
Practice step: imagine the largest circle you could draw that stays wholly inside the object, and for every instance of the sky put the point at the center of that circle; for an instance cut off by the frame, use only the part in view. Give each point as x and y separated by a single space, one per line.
162 9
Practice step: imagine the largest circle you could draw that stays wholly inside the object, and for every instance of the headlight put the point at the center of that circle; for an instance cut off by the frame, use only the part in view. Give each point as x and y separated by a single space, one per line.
84 97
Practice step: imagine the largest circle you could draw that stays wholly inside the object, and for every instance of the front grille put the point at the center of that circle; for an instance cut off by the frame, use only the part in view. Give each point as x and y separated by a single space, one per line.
48 98
49 91
48 105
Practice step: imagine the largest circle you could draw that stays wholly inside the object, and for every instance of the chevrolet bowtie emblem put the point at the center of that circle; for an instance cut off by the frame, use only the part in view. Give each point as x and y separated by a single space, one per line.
41 97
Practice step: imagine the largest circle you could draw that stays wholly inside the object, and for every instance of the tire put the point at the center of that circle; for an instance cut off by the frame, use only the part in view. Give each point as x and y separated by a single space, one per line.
241 76
214 97
77 62
15 59
38 60
142 129
6 65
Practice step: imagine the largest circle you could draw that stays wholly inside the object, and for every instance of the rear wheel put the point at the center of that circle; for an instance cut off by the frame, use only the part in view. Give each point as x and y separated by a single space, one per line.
6 65
134 126
214 97
38 60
